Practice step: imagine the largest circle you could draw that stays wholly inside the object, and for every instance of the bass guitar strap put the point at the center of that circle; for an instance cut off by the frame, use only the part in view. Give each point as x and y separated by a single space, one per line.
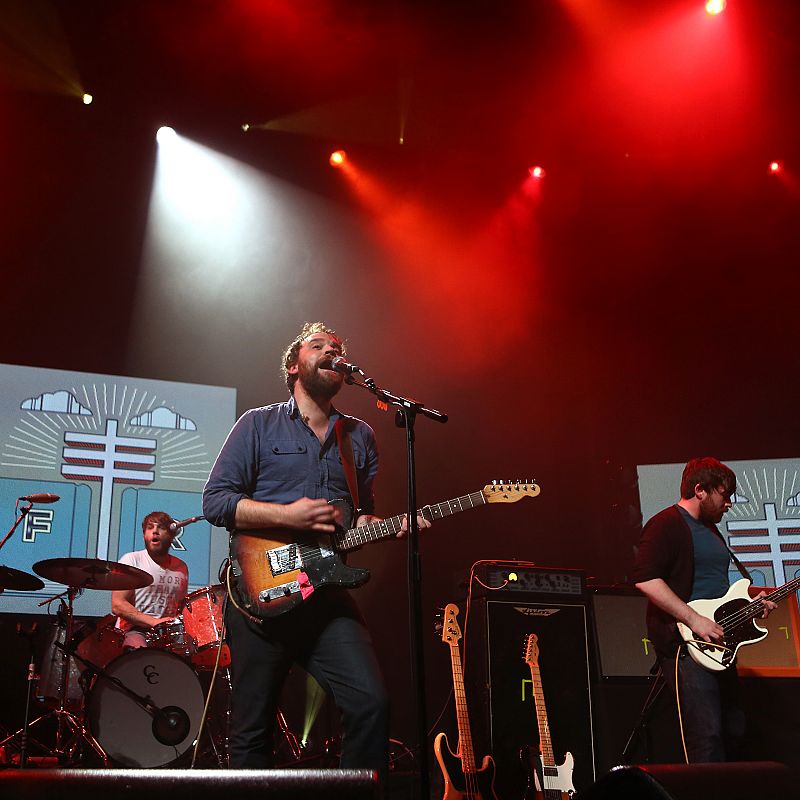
741 567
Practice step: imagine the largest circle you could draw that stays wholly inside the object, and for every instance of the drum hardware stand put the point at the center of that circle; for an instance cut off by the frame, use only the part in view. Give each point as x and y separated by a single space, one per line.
64 719
32 678
295 748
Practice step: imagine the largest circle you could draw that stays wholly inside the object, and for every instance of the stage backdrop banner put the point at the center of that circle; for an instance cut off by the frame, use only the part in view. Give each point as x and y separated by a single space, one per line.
113 449
762 526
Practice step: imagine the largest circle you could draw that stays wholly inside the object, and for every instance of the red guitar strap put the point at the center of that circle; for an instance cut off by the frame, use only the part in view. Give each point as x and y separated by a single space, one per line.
345 442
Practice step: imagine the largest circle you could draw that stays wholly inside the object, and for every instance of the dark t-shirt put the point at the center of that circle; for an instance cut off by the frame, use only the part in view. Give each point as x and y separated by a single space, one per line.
711 560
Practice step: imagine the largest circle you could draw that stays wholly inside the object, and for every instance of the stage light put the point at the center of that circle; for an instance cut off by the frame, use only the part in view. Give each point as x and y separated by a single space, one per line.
775 167
165 134
246 127
536 172
715 7
338 158
87 99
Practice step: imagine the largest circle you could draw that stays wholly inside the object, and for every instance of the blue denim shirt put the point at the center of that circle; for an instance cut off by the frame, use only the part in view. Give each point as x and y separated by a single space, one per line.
272 455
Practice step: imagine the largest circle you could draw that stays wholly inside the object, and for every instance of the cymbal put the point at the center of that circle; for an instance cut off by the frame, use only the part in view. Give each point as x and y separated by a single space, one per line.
11 578
92 573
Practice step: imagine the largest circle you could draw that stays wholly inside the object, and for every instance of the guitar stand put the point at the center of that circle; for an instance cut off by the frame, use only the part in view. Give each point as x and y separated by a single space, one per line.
644 715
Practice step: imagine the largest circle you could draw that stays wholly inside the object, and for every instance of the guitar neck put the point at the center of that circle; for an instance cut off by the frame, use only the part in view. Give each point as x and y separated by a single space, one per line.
783 591
356 537
756 608
465 749
545 744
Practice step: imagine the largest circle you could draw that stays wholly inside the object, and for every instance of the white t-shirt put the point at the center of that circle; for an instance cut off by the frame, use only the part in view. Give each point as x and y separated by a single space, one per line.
164 596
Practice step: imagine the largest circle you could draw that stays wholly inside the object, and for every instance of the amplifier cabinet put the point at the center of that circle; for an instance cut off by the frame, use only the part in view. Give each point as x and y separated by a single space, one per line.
502 680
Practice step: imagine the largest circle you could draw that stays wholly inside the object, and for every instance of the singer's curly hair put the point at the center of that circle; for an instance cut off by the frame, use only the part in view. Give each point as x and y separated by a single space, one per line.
161 518
710 474
292 352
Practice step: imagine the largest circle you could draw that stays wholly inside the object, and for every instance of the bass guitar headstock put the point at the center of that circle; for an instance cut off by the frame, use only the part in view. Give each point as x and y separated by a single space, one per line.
451 633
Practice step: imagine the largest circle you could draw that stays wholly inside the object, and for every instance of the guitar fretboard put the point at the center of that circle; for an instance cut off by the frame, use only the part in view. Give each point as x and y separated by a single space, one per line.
756 608
545 743
356 537
465 748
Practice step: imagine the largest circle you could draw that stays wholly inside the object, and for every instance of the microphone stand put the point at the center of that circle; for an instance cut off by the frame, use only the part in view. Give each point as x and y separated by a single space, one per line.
22 514
405 417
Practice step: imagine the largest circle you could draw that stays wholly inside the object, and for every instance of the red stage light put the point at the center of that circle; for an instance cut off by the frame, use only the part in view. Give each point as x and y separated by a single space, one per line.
536 172
715 7
338 158
775 167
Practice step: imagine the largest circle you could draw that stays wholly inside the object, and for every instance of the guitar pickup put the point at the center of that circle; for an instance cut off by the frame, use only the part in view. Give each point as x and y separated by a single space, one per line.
276 592
284 559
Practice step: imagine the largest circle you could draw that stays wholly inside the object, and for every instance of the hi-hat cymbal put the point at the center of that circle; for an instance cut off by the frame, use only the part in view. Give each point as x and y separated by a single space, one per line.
11 578
92 573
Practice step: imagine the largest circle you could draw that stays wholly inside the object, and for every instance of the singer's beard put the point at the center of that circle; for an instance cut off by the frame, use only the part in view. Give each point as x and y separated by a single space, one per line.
324 384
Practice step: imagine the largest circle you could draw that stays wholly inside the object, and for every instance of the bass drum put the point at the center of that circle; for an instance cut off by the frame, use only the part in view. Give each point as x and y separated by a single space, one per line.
133 736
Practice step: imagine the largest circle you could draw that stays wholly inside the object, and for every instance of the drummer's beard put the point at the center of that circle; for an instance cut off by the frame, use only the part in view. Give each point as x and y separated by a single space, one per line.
159 548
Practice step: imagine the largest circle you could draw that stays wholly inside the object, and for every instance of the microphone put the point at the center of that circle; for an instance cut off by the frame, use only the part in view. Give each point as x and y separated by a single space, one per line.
41 498
174 526
341 364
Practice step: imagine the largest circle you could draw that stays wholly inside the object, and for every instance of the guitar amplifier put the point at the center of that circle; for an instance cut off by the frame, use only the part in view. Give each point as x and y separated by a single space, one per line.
514 577
552 604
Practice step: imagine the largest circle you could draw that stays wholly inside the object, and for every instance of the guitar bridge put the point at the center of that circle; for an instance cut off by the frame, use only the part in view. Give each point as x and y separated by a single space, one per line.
284 559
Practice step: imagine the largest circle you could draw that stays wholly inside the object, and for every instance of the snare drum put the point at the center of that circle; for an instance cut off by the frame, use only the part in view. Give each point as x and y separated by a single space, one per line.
171 636
202 616
133 736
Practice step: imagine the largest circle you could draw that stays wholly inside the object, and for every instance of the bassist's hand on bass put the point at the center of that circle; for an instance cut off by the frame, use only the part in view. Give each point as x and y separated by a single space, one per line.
769 606
705 628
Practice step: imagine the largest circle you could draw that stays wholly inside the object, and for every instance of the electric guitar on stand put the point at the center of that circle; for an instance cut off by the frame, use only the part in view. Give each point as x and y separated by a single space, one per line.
273 571
462 779
550 782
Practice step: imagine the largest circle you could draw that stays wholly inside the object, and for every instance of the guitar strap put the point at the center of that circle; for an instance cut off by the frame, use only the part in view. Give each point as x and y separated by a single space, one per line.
741 567
345 442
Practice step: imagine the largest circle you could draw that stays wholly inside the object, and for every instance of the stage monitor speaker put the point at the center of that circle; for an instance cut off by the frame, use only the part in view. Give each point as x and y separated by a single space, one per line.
561 625
743 780
623 649
185 784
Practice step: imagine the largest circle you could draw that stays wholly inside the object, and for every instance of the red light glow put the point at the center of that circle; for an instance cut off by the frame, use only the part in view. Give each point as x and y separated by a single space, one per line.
338 158
775 167
536 172
715 7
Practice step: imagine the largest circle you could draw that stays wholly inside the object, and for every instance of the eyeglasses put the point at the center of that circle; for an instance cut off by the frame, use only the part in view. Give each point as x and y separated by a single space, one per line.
726 495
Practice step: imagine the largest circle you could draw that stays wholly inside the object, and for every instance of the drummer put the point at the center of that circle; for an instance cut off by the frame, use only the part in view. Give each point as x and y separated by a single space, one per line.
139 610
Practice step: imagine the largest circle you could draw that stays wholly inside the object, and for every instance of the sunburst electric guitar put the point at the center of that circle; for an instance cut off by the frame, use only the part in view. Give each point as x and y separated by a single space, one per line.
462 779
273 571
736 613
550 782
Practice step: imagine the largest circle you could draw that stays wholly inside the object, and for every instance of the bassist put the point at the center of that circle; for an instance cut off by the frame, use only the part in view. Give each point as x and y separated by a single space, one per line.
278 468
683 557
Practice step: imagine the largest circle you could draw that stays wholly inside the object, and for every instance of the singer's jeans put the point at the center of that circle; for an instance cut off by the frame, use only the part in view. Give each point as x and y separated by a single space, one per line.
327 637
711 708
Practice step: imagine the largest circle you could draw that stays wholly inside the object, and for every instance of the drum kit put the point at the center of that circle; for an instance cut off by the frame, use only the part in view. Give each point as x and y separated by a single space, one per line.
132 708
